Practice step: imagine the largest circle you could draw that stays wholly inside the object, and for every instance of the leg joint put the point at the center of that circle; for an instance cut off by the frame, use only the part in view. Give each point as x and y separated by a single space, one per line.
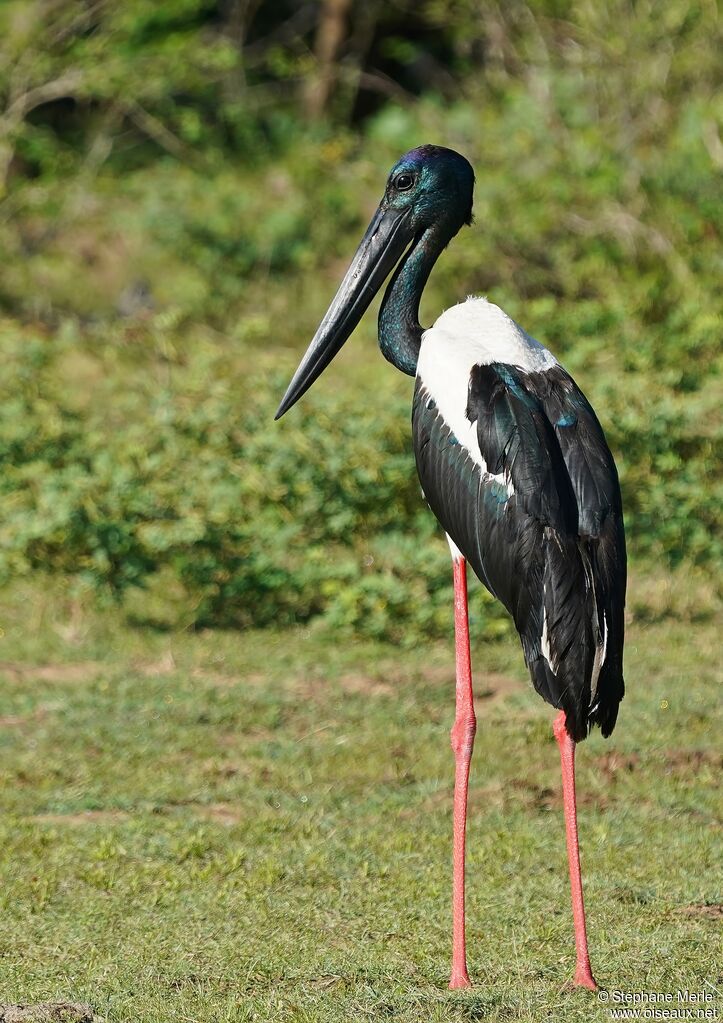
463 732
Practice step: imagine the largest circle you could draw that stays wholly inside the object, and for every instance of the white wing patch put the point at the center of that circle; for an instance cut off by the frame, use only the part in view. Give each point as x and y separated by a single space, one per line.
545 645
599 660
479 332
474 333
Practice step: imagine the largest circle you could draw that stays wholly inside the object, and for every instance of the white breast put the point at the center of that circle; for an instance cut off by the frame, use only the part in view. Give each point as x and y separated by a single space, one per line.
473 333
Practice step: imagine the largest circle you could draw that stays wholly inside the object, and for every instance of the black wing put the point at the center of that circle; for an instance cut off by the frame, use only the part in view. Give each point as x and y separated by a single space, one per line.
522 531
594 478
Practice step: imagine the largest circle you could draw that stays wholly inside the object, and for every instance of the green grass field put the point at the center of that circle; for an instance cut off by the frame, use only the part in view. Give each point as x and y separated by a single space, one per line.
230 827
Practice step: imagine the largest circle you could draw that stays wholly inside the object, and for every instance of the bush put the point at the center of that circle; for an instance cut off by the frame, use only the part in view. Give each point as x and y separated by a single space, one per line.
148 468
163 189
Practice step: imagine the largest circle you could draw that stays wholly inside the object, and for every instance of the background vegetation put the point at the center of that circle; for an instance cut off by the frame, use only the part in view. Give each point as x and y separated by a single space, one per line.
213 809
182 184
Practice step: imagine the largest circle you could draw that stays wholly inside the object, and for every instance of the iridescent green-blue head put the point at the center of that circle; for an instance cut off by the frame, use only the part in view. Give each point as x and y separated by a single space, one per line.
435 185
428 196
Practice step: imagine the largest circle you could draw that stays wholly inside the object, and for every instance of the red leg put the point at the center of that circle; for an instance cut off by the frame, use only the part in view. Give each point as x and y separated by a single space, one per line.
583 973
463 732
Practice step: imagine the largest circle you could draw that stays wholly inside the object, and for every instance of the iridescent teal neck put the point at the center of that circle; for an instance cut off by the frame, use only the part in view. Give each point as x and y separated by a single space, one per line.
400 334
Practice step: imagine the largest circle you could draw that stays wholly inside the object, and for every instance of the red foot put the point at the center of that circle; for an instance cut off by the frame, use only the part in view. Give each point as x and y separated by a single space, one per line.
584 978
459 979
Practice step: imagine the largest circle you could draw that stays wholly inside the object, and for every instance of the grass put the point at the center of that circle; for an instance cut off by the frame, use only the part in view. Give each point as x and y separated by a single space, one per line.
228 827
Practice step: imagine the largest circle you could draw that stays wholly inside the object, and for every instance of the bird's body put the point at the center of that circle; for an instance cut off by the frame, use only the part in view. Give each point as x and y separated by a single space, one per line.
514 464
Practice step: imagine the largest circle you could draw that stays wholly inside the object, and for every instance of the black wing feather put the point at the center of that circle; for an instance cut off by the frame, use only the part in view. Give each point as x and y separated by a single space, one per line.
548 541
595 483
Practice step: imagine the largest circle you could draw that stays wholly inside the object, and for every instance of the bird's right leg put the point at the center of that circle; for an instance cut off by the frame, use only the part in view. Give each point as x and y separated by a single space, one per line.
463 733
583 973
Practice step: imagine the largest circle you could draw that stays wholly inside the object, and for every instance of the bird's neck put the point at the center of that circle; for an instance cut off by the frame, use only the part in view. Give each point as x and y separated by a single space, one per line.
400 334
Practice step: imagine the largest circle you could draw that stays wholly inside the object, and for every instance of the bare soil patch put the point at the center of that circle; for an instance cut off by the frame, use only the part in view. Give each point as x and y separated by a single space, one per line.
222 813
48 1012
682 759
164 665
84 817
490 687
614 763
713 910
81 671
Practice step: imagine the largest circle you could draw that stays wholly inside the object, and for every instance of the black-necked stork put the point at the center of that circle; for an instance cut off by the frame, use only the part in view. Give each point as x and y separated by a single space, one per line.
514 464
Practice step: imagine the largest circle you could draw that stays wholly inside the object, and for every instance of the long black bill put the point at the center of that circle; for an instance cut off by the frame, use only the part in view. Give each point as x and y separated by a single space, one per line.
381 248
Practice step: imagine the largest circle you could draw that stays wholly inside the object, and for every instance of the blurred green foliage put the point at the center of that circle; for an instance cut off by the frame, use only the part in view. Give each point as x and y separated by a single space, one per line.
174 224
150 472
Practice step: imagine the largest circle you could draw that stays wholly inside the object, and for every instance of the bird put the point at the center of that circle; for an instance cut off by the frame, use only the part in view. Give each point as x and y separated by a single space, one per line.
514 464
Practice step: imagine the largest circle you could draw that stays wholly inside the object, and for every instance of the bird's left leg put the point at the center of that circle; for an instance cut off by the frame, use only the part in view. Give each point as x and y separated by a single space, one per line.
463 733
583 972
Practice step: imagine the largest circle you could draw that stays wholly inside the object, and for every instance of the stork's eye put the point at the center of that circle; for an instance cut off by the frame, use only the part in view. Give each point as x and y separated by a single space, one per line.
403 182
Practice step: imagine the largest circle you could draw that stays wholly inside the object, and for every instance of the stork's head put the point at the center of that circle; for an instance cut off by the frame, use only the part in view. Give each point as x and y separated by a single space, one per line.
428 194
435 185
